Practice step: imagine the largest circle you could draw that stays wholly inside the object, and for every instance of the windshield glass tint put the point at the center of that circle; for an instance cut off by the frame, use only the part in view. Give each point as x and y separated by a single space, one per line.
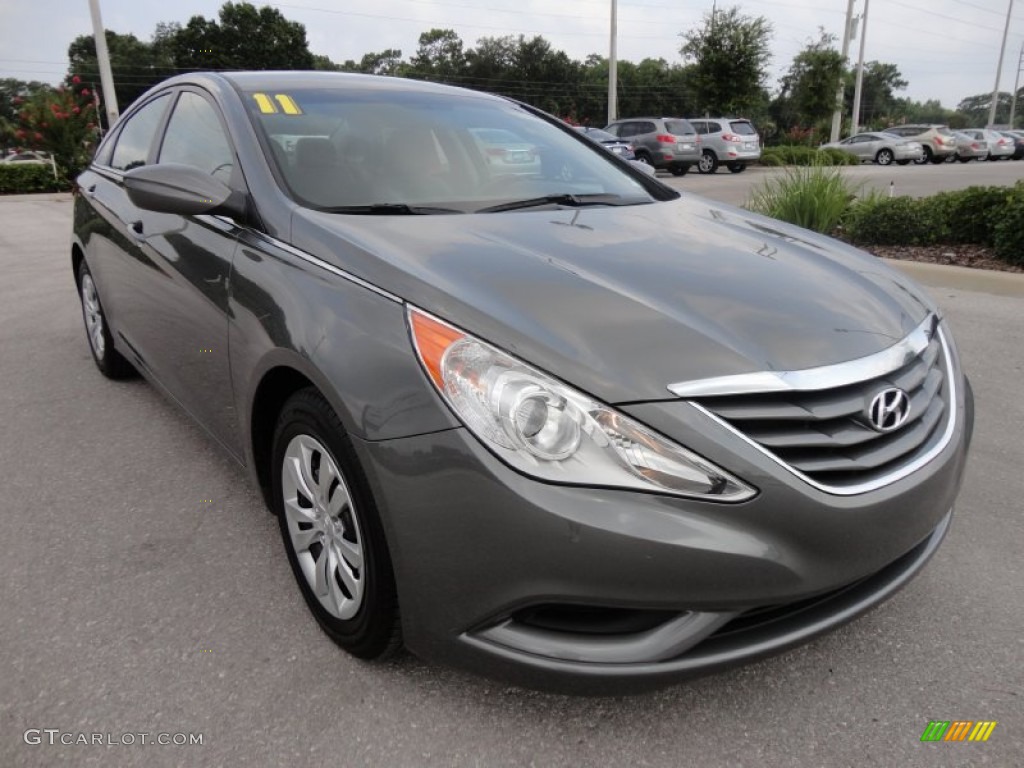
358 147
679 127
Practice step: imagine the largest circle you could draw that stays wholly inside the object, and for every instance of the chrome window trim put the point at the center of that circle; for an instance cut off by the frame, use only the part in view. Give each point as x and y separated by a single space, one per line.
880 482
812 379
326 266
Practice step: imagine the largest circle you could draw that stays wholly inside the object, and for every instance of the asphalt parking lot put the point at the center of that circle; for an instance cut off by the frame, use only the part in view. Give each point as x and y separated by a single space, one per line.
145 590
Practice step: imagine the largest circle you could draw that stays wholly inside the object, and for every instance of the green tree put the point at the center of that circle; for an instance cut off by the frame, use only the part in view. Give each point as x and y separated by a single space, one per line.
440 55
730 53
878 101
245 37
975 109
386 62
136 65
808 92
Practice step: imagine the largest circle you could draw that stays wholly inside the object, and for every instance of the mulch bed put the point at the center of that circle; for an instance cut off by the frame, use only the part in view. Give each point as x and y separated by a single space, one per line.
976 256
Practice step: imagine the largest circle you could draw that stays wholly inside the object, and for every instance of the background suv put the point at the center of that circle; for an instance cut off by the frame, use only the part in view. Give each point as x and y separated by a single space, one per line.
668 143
938 141
732 141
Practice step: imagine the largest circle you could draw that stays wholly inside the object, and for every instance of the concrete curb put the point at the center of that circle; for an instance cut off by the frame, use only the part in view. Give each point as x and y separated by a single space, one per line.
962 278
39 197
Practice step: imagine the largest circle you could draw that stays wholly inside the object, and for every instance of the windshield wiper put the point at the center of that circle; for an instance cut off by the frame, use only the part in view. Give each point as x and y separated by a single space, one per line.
573 201
390 209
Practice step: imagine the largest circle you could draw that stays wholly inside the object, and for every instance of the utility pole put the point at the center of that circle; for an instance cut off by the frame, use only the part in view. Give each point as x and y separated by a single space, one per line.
837 116
1016 85
999 68
860 69
103 59
613 69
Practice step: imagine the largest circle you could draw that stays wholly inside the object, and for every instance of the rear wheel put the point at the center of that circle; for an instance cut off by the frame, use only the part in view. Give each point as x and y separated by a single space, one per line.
643 157
737 167
111 363
924 158
679 170
938 159
884 157
331 529
708 162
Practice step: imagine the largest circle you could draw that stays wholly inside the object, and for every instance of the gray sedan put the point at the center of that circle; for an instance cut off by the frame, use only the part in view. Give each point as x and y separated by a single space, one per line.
548 420
881 147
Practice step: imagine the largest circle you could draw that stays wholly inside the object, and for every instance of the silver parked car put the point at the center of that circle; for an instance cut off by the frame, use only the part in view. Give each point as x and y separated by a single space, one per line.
937 140
1000 147
668 143
732 142
568 428
970 148
609 141
882 148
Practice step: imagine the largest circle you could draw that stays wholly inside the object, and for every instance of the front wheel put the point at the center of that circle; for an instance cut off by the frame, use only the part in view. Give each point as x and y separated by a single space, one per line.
737 167
708 162
884 157
331 529
111 363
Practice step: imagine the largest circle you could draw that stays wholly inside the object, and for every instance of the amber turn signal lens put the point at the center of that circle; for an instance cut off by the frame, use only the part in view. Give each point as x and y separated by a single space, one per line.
432 339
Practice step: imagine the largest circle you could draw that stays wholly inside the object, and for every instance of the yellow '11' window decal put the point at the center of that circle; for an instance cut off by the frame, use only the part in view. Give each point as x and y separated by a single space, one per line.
268 107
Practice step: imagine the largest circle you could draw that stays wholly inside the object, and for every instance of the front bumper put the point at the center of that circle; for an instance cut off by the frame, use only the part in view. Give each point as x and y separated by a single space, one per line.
480 551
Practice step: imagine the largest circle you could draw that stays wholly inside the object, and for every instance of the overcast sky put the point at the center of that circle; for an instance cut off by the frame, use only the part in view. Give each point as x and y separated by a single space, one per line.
946 49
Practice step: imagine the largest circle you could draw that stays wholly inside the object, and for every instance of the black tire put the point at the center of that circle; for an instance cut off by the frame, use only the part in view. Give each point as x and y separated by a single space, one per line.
111 363
964 159
679 170
374 630
737 167
643 157
902 162
708 162
938 159
884 157
925 158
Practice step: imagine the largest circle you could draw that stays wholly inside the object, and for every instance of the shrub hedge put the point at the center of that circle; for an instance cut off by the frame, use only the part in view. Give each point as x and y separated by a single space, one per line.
23 178
796 155
991 216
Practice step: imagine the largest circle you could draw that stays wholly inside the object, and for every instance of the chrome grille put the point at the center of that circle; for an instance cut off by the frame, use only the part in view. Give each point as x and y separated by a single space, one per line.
826 434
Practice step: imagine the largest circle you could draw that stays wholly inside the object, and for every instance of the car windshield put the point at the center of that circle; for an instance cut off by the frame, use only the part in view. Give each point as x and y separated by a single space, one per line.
387 150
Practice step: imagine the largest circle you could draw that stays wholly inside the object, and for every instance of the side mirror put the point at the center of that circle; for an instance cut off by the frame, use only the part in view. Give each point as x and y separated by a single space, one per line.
180 189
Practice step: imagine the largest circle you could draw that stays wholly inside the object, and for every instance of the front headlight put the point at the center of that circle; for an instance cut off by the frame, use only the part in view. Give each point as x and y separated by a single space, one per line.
552 432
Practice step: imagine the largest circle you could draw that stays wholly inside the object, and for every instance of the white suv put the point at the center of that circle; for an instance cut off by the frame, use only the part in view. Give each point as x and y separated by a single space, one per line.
726 140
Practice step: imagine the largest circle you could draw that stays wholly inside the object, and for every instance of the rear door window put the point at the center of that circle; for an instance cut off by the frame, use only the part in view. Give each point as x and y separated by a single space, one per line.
679 128
646 127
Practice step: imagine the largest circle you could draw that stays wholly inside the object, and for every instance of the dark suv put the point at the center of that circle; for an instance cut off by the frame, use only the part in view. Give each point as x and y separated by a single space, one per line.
667 143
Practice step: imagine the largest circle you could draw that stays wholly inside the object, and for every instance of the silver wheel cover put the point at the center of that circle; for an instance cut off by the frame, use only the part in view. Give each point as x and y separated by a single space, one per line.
323 526
93 316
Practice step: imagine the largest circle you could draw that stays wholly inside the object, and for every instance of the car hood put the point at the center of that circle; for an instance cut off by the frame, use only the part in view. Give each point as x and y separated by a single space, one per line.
621 302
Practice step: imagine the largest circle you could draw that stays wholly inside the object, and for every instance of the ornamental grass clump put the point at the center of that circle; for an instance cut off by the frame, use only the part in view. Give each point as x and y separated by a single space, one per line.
814 197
